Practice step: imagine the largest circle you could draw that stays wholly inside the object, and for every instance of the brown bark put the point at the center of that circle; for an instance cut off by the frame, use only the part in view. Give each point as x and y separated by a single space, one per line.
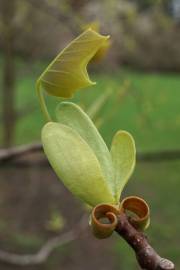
147 257
8 85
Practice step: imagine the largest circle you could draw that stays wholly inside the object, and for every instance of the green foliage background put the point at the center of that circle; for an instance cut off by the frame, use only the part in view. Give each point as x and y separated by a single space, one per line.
145 104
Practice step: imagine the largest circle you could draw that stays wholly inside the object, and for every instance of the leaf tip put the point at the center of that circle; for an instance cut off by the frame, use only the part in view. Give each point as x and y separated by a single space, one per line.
125 135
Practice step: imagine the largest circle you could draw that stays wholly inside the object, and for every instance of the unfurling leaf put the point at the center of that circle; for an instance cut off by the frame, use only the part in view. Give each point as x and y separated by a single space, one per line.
75 164
81 158
67 73
73 146
73 116
101 53
123 154
95 25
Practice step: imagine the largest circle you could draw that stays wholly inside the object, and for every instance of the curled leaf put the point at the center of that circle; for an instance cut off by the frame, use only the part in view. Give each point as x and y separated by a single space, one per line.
67 73
140 210
101 53
73 116
104 220
123 154
75 163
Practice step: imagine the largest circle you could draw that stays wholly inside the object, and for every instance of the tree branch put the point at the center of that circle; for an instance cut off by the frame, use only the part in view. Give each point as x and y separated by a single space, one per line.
147 257
45 251
12 153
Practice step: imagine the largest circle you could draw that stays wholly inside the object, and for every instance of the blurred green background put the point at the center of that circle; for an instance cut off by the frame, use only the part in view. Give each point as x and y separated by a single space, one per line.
137 90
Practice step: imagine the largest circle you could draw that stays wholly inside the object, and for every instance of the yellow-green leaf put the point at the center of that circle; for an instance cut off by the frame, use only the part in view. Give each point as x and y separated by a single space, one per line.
95 25
101 53
73 116
67 73
75 164
123 153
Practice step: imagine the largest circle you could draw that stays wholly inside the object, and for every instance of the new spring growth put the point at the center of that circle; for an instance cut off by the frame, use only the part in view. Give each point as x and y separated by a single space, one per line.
76 150
73 145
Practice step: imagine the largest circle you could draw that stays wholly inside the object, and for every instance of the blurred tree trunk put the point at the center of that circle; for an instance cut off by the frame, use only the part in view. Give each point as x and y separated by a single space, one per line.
8 83
77 5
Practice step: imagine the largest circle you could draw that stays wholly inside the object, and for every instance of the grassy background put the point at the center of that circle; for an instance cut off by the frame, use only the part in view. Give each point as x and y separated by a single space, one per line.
145 104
